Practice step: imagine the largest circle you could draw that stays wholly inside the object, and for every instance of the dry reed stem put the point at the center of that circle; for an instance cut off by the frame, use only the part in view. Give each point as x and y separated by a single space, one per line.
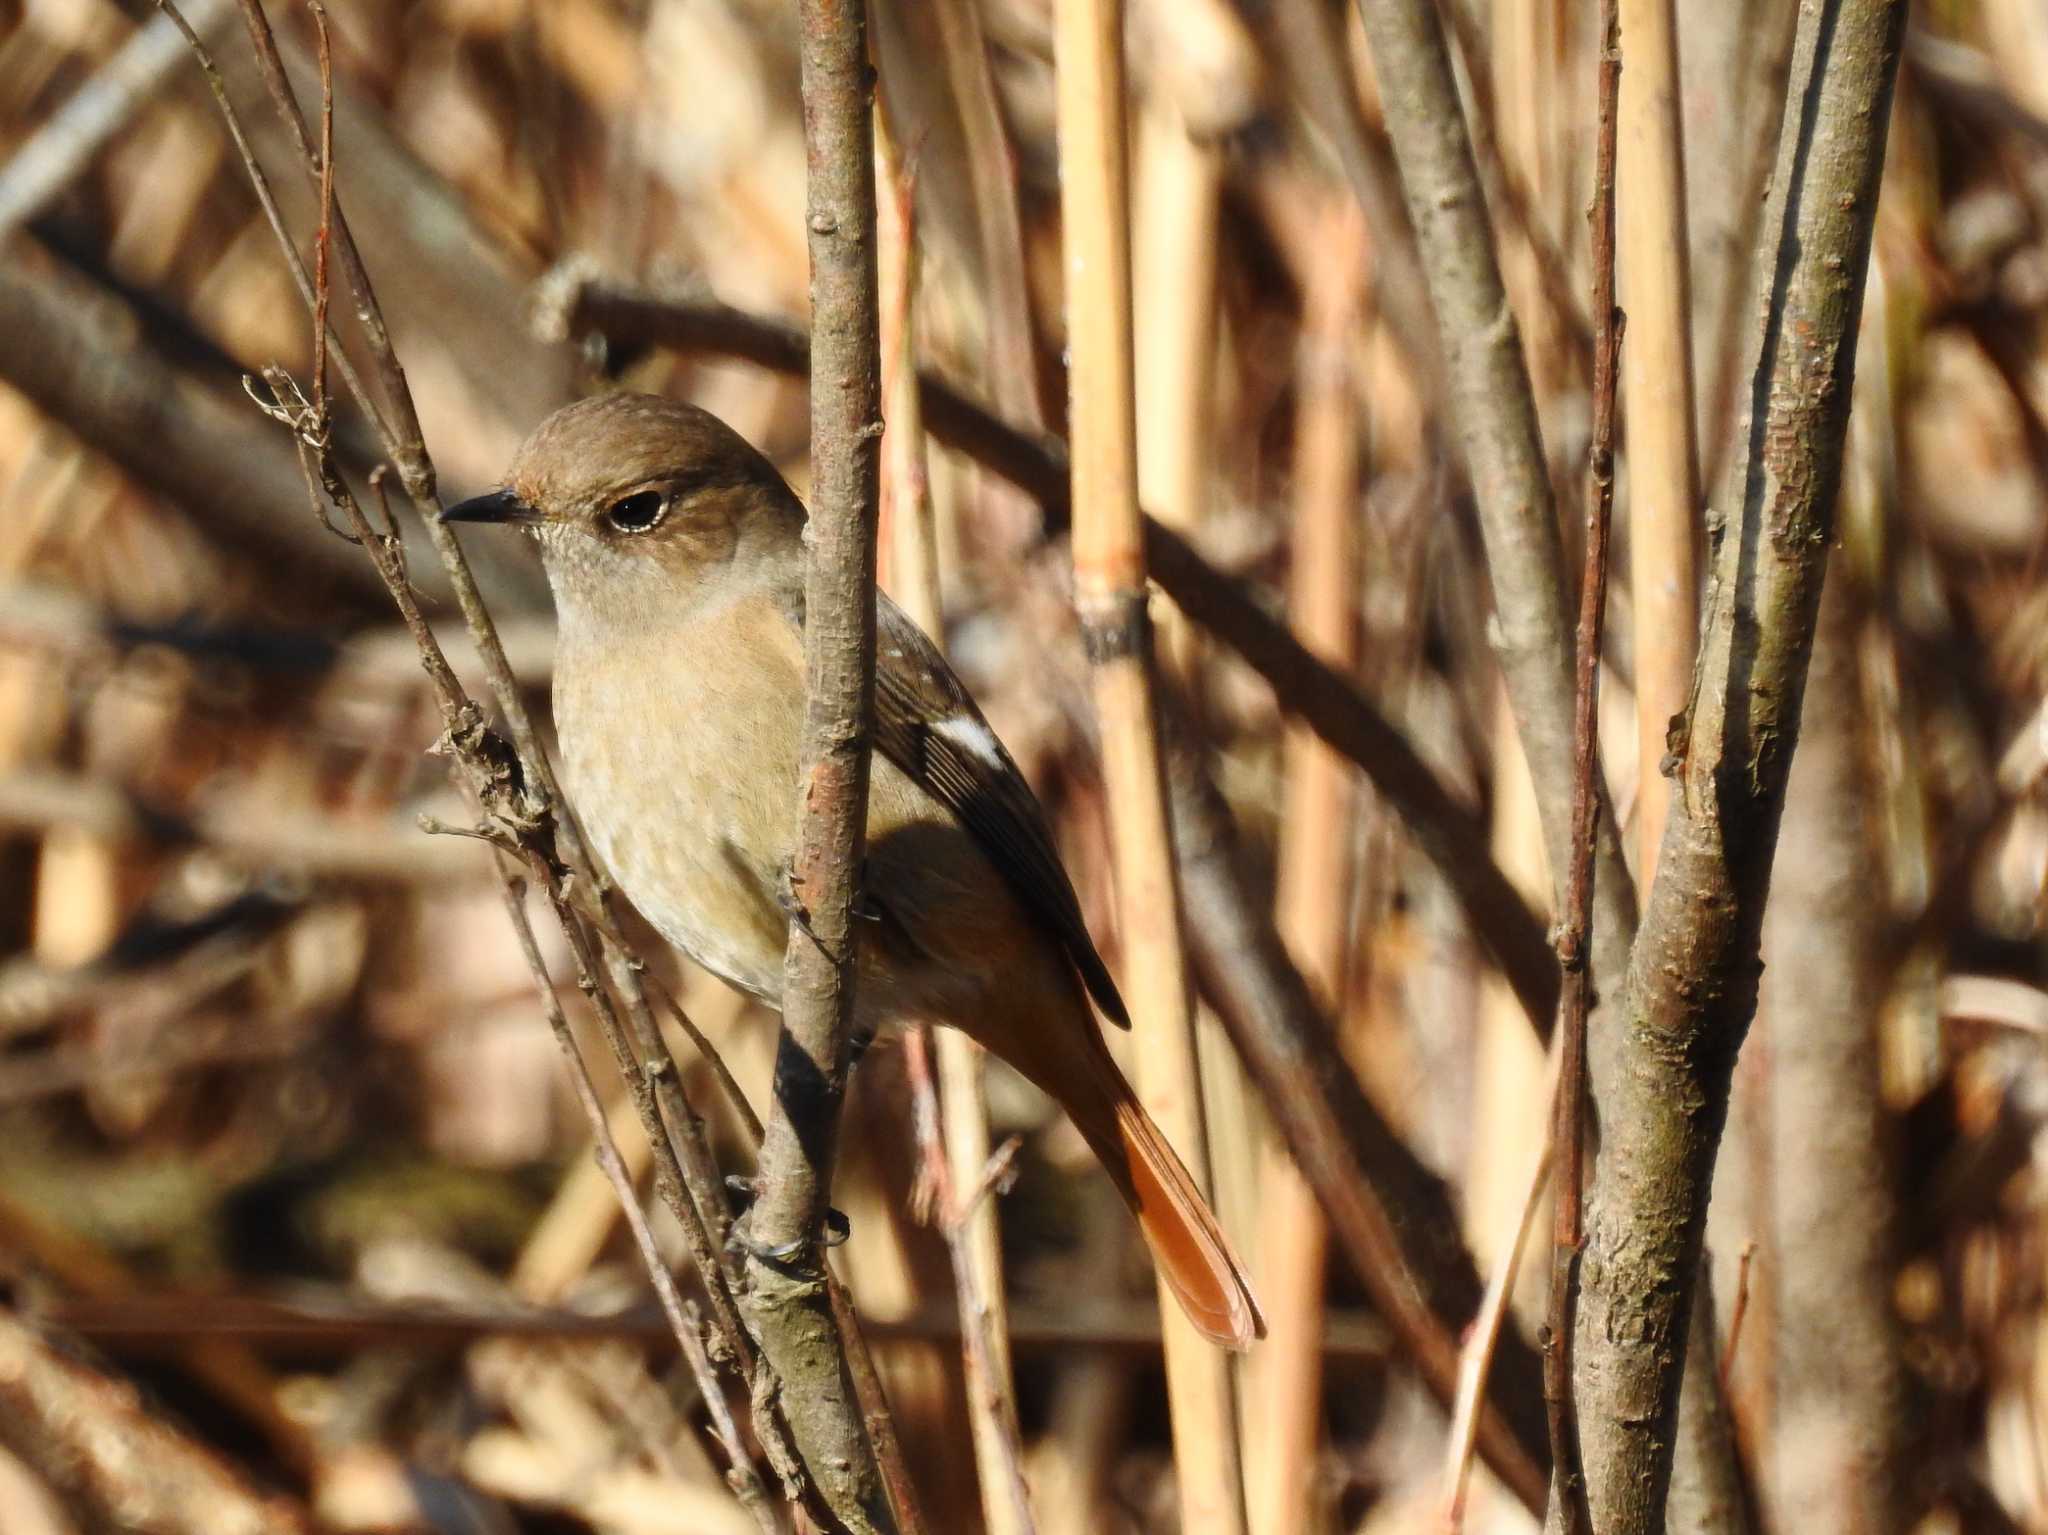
952 1131
1315 877
1657 382
1109 575
1175 220
955 1203
1173 238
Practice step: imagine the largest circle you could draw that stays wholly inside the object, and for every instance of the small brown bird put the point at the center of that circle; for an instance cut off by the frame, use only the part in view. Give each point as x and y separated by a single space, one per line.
677 560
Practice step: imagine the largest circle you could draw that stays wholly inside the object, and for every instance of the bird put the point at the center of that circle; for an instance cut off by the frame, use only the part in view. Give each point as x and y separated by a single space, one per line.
676 555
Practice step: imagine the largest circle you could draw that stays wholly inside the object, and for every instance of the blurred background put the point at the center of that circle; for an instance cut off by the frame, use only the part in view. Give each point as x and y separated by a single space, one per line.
284 1141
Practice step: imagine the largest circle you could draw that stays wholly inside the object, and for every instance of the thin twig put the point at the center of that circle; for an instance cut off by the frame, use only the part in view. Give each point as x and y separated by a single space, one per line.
735 1095
323 237
523 783
1574 936
954 1217
741 1474
1482 1339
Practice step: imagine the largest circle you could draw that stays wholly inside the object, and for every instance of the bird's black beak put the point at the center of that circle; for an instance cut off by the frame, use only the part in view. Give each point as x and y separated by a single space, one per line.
493 506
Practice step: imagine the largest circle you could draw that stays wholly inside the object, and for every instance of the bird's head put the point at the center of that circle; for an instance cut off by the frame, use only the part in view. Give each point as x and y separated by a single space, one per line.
642 504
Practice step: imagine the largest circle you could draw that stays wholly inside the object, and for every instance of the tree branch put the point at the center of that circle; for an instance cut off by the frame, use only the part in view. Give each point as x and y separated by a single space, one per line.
788 1299
1692 981
1487 391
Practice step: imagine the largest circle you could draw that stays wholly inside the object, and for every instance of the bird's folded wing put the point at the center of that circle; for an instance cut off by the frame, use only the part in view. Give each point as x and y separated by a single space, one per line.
929 727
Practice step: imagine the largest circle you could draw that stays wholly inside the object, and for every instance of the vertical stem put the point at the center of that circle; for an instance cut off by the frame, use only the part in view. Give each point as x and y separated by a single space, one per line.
1109 576
1568 1474
1693 976
1315 873
1657 374
1174 230
789 1303
959 1120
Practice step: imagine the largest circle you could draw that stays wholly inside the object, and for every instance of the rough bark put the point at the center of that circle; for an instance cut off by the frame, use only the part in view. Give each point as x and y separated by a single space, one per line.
1692 982
788 1302
1841 1431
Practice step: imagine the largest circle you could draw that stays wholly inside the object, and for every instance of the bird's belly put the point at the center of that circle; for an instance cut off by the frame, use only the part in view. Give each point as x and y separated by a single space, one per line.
694 841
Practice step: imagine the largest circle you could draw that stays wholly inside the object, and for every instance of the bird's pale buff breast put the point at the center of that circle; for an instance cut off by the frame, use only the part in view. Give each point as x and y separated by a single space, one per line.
649 754
652 761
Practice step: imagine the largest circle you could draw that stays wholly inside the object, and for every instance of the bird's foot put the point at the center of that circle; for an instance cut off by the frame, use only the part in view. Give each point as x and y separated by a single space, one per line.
837 1227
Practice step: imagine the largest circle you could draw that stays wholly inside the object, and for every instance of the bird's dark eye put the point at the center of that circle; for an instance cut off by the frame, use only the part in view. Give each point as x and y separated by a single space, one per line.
638 512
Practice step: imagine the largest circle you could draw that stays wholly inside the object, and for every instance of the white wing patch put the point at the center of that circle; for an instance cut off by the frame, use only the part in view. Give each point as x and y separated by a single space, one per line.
970 735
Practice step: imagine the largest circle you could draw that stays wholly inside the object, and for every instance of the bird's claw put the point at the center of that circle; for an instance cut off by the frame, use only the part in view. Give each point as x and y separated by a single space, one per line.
786 896
838 1229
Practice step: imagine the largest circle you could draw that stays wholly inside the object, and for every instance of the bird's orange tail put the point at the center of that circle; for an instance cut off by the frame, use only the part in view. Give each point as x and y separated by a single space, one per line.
1189 1246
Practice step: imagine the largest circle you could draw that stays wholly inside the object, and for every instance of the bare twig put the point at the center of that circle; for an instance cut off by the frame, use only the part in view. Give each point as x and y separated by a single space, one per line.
1488 393
741 1474
1569 1134
788 1300
1481 1342
1006 1502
